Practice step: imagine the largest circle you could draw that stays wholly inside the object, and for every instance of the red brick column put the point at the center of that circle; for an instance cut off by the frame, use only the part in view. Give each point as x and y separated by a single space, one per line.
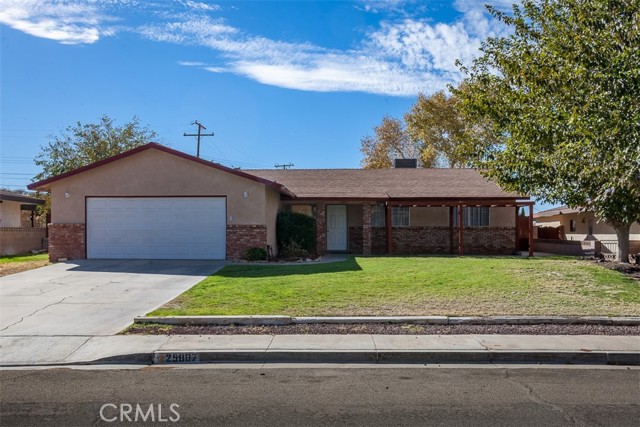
66 241
321 228
241 237
366 229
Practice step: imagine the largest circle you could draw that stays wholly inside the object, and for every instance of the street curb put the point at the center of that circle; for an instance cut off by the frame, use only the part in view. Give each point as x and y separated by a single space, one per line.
397 357
260 320
359 356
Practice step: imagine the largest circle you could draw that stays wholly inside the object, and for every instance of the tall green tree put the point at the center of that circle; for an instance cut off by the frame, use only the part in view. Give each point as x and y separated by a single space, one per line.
564 90
80 145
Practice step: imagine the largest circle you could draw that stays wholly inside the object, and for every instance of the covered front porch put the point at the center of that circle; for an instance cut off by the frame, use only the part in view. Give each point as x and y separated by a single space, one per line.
414 227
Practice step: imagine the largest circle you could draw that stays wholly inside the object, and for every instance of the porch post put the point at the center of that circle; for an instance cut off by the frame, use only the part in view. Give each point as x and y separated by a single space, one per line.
517 224
388 229
460 217
321 228
366 229
450 230
531 229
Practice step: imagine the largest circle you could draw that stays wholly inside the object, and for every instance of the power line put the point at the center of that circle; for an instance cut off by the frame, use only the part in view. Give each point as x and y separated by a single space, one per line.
199 134
284 166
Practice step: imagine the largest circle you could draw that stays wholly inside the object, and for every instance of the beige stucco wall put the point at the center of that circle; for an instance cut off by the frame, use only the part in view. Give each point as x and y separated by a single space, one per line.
504 216
429 216
601 230
156 173
272 206
10 214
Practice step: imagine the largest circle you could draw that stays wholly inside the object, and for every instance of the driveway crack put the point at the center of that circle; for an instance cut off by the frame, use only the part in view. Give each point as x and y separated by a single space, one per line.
31 314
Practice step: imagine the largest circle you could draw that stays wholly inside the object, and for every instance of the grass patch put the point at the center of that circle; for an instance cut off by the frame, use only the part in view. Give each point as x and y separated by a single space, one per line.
23 258
18 263
414 286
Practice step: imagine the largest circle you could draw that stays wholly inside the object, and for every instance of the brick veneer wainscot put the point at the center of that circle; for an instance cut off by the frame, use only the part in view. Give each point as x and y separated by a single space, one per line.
241 237
436 240
321 228
66 241
366 229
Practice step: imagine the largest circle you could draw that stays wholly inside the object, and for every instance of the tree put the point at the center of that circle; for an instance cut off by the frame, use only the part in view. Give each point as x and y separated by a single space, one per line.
435 133
437 124
81 145
390 141
564 90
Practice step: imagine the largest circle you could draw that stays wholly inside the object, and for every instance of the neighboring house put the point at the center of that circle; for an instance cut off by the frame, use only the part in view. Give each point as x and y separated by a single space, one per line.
581 226
18 233
156 202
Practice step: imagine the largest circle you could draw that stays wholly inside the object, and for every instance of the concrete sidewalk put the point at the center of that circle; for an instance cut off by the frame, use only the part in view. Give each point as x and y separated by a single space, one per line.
160 349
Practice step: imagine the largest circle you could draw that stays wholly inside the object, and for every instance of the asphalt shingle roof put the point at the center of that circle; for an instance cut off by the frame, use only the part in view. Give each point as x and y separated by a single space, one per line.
385 183
562 210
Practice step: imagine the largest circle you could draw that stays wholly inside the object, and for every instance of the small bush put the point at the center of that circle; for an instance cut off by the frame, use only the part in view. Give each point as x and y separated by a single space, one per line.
255 254
296 227
293 250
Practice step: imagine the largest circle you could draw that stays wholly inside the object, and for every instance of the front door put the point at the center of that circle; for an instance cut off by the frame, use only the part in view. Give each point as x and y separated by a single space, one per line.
336 227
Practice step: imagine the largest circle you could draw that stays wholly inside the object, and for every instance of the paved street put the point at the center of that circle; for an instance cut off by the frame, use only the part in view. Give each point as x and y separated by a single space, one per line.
92 297
246 395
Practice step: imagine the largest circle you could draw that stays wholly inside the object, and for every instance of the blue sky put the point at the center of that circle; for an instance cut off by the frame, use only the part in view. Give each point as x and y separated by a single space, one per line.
277 82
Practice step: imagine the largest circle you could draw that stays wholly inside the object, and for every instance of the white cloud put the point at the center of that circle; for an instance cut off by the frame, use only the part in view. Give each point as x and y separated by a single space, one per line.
67 22
191 63
377 6
198 5
216 69
402 57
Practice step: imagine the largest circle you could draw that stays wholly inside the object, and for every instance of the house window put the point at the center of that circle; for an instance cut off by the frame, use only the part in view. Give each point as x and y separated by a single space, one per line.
400 216
572 225
472 216
377 216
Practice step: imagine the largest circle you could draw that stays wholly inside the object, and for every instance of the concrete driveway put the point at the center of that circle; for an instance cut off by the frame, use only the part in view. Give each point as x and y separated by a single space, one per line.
92 297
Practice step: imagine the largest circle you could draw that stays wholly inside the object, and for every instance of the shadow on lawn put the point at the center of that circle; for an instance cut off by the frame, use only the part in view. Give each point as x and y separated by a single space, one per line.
350 264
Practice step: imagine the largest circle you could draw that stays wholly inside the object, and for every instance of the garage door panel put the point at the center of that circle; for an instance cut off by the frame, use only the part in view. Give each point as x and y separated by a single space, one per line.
156 227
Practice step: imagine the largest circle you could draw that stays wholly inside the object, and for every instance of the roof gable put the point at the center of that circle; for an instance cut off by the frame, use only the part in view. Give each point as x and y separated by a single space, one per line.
45 184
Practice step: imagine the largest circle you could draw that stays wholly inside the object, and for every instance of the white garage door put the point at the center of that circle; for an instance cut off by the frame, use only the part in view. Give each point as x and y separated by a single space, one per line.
156 227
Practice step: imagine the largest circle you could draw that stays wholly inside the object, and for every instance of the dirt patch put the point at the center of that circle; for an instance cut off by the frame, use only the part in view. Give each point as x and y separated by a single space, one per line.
17 267
384 329
631 270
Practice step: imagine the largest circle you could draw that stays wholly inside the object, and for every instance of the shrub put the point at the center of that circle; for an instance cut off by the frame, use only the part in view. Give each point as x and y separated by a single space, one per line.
293 250
255 254
298 228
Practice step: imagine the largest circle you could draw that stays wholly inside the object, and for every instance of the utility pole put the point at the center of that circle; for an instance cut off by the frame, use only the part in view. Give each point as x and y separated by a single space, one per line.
285 166
199 134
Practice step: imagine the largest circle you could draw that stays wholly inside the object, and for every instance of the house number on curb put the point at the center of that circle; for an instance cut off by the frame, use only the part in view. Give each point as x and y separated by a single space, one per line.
178 358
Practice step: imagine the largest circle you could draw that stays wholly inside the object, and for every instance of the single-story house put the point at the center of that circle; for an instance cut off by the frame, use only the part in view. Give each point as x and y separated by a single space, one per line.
156 202
18 231
579 225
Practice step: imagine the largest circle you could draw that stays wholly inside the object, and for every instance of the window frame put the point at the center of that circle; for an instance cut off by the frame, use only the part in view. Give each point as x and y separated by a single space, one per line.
395 217
378 216
473 216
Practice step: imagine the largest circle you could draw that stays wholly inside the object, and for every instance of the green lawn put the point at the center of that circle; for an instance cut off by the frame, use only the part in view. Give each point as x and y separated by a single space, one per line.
414 286
18 263
23 258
